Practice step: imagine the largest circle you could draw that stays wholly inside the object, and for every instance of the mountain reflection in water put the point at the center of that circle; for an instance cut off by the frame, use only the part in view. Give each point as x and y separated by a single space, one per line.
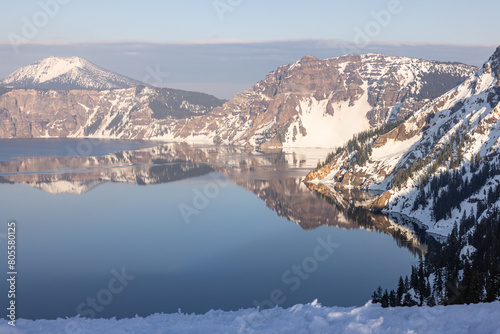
276 178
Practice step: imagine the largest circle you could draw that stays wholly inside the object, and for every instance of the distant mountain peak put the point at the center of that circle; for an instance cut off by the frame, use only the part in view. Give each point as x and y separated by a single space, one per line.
52 67
309 58
66 73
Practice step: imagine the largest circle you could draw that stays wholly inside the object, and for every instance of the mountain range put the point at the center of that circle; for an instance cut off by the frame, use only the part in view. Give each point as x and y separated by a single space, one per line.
132 113
441 169
322 103
423 136
439 165
309 103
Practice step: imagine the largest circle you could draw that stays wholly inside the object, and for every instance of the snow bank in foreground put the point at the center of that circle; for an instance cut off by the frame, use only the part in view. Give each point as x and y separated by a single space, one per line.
310 318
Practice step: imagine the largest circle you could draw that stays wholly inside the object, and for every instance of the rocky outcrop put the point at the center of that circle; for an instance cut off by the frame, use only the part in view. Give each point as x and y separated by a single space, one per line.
315 102
381 202
458 133
134 113
309 103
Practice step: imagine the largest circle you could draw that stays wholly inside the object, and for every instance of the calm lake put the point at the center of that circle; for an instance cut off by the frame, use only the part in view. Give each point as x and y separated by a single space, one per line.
125 228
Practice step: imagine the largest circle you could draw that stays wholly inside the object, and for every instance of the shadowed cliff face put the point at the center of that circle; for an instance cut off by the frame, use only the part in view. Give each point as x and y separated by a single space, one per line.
275 178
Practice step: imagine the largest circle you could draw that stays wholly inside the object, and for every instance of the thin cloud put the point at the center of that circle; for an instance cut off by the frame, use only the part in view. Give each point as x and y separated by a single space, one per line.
221 67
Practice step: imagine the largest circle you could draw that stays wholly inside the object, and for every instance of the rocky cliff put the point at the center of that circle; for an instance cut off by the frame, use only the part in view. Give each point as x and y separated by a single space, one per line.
440 165
133 113
322 103
310 103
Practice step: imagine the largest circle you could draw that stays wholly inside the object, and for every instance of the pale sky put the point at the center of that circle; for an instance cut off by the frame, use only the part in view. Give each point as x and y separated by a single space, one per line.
443 21
225 46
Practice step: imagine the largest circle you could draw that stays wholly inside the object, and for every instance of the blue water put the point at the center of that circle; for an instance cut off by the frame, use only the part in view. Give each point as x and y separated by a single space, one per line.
233 251
11 149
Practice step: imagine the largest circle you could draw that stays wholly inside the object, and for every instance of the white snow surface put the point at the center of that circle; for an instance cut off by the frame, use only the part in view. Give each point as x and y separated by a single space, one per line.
71 73
470 109
310 318
393 149
325 130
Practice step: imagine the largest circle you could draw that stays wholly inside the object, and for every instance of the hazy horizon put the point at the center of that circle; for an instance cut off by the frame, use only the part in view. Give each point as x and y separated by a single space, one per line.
221 69
223 47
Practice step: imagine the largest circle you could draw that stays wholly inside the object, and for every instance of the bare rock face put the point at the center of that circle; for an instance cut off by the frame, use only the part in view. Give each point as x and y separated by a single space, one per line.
382 202
457 132
134 113
310 103
315 102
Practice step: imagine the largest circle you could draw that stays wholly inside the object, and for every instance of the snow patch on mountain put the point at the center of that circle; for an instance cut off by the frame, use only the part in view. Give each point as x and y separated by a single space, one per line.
66 73
310 103
323 102
347 120
449 134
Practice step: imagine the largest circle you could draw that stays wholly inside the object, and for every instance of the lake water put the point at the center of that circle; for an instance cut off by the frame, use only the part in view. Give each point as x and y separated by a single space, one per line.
175 226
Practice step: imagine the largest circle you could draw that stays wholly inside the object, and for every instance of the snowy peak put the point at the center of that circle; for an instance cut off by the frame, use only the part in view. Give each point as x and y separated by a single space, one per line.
494 60
456 134
323 102
492 66
309 103
66 73
52 67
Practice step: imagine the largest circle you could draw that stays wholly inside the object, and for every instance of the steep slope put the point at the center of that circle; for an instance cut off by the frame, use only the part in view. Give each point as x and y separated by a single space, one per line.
310 103
134 113
315 102
58 73
440 165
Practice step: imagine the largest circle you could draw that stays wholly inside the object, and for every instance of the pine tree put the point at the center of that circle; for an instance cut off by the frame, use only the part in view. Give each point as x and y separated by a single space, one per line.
319 166
427 290
377 295
493 284
393 299
401 290
439 282
414 278
385 299
475 293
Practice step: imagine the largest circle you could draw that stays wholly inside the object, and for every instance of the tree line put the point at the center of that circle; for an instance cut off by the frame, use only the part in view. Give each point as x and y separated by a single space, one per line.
463 270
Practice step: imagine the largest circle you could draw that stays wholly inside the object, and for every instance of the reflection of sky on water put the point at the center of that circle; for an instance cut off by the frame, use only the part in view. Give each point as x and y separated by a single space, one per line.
234 251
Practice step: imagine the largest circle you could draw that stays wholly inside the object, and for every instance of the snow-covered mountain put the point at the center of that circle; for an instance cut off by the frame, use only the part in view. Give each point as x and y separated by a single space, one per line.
58 73
310 103
322 103
440 165
133 113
